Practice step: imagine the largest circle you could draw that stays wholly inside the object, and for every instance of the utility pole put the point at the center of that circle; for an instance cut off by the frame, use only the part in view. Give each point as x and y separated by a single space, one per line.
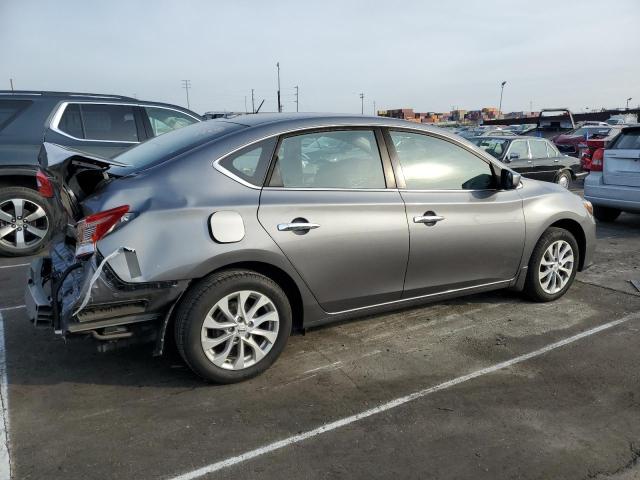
186 84
253 103
501 90
362 103
628 100
297 95
279 104
11 82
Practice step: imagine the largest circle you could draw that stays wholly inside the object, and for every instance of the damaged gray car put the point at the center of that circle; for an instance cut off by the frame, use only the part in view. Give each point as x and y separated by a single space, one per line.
231 234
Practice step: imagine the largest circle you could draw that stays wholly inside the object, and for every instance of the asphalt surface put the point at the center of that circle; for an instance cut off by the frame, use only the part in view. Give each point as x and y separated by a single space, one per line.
572 412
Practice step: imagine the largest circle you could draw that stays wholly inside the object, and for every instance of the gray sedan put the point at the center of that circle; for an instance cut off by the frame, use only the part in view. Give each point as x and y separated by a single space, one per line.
231 234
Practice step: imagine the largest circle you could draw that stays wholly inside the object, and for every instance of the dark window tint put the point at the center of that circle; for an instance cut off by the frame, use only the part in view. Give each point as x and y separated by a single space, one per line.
334 159
538 148
251 163
164 120
70 122
9 109
518 149
430 163
628 141
109 122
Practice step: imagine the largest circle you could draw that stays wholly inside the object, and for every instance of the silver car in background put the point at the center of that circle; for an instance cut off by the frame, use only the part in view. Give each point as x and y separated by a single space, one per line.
230 234
613 186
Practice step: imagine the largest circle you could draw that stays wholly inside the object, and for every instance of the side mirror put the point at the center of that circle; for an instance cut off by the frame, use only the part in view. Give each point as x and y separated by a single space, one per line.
509 180
514 156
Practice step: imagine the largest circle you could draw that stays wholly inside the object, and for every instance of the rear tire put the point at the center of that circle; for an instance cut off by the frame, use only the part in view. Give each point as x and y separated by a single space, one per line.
26 221
553 265
606 214
232 325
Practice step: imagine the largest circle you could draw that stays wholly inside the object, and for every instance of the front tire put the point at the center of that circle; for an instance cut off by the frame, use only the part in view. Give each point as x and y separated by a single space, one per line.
553 265
232 325
26 222
606 214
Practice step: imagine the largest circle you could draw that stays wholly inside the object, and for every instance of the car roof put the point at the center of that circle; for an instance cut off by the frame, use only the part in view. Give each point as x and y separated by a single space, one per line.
320 120
83 97
75 95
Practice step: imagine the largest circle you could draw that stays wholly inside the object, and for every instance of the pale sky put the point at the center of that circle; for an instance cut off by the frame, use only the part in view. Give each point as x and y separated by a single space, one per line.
426 55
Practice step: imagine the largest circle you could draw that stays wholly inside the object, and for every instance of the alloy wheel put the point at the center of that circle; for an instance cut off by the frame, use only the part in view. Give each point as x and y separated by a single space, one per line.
23 223
556 267
240 330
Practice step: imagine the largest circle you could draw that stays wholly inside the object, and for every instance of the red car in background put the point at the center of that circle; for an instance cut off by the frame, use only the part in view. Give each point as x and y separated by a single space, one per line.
571 142
587 148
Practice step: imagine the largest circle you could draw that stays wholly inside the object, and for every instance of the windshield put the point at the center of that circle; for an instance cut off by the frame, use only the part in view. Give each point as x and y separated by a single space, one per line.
591 131
161 148
494 146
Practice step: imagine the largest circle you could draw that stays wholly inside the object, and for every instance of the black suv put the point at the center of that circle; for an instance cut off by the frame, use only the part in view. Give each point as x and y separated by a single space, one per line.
101 125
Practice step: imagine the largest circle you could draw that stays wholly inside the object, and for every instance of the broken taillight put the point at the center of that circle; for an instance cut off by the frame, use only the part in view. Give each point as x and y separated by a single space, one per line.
45 187
94 227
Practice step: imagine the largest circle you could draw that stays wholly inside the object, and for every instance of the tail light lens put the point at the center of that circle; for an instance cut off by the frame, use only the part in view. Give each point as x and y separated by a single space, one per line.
597 160
45 187
94 227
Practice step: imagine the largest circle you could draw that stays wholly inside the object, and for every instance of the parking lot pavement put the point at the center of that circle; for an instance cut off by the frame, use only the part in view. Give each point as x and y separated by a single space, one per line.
570 412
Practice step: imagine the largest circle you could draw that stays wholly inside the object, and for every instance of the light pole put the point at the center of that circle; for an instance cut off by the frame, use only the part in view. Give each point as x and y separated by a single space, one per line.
186 84
362 103
297 97
501 90
279 104
628 100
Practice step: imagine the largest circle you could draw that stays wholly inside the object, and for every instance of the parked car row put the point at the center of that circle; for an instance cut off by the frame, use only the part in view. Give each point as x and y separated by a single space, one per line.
102 125
229 234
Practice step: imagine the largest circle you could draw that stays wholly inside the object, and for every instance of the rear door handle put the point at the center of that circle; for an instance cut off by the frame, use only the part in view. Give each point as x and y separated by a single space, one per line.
297 227
428 219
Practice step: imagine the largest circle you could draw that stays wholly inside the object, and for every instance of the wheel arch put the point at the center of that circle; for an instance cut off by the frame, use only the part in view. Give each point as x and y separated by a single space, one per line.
576 230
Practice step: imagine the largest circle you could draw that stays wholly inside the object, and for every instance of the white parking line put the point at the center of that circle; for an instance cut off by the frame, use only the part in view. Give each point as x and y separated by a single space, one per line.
222 464
5 461
13 266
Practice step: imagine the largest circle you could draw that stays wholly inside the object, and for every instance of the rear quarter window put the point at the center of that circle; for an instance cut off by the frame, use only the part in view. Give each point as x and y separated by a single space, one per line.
10 109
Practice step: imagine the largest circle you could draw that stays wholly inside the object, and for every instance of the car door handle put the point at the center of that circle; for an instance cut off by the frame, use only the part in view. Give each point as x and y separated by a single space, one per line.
428 219
296 227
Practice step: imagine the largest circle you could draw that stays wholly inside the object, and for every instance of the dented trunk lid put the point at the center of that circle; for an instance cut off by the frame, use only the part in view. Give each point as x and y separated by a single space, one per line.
77 175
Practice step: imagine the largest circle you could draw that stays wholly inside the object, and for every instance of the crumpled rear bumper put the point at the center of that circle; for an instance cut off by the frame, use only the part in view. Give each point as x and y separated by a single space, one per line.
58 284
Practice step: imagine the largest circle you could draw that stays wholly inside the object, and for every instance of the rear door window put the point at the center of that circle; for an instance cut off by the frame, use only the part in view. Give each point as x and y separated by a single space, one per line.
552 151
346 159
109 122
538 148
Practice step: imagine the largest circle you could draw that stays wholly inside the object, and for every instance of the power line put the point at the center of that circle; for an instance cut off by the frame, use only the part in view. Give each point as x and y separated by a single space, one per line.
186 84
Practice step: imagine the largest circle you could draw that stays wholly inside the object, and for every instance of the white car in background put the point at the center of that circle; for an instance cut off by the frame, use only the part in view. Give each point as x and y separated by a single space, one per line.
613 186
